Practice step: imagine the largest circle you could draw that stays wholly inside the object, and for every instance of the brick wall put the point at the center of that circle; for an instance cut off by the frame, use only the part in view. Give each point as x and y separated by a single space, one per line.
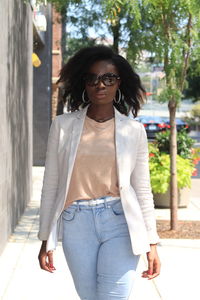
56 57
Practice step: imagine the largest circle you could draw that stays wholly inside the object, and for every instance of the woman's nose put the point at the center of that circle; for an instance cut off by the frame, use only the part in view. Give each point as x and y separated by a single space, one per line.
100 84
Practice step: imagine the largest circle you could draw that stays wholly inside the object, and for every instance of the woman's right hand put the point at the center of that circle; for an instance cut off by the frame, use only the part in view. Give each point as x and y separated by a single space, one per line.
46 258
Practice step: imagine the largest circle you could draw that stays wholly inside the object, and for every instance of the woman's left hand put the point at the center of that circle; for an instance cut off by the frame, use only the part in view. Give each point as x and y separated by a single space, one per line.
153 263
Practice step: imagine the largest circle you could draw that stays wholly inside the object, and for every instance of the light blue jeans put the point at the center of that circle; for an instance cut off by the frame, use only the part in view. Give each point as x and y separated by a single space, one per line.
98 251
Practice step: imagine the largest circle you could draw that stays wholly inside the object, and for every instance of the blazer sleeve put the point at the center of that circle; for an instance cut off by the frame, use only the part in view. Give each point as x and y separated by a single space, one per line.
50 181
140 180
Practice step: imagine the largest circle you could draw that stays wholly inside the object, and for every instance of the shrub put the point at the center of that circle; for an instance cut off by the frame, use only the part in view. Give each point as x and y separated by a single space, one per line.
184 143
159 164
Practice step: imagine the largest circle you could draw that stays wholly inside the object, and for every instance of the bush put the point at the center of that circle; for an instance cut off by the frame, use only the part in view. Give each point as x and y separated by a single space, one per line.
184 143
159 164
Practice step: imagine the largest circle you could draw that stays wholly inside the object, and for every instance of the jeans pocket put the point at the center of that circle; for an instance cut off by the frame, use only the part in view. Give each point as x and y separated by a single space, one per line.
68 214
117 208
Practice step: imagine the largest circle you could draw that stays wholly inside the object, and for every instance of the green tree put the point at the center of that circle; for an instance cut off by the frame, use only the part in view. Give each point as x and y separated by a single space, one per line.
123 19
121 16
193 81
174 39
118 17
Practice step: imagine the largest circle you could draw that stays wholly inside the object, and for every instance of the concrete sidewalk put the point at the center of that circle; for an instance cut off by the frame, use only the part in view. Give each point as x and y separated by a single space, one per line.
22 279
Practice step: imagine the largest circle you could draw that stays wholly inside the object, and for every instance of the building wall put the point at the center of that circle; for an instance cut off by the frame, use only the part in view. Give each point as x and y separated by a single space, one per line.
42 93
56 43
56 58
15 113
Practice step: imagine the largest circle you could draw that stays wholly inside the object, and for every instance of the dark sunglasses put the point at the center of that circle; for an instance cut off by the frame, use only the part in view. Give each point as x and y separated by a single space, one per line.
108 79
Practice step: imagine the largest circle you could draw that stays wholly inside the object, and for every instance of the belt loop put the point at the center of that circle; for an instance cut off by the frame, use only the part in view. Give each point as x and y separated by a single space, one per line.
78 206
105 202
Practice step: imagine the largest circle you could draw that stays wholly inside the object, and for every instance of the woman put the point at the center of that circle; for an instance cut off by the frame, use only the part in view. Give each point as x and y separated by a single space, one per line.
96 191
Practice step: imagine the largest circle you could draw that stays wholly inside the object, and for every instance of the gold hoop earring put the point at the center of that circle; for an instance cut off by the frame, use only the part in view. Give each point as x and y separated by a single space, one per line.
119 97
83 97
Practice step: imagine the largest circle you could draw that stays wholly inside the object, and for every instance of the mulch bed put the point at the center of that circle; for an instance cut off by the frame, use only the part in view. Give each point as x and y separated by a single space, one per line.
186 230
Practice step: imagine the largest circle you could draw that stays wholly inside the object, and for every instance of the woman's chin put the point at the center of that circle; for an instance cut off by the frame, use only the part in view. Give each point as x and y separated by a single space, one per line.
101 100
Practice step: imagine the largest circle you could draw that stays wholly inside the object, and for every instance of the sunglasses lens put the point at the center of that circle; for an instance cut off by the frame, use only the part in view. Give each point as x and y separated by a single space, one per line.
109 80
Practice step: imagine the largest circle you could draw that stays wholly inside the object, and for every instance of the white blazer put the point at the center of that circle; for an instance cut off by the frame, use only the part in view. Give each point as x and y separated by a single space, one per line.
133 176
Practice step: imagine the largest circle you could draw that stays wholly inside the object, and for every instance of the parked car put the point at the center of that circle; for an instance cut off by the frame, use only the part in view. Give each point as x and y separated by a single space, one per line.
180 124
153 125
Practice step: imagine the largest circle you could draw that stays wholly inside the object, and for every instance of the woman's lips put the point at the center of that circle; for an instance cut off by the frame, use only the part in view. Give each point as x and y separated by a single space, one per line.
97 94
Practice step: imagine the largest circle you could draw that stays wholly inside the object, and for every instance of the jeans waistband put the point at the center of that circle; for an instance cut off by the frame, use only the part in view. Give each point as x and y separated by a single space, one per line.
93 202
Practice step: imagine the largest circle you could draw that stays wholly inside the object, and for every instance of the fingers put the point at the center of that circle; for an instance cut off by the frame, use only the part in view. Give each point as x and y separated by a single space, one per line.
46 260
153 265
43 264
146 274
150 274
50 260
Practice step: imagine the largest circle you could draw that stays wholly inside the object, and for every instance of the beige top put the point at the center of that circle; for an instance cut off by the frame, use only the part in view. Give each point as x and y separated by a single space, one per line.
94 174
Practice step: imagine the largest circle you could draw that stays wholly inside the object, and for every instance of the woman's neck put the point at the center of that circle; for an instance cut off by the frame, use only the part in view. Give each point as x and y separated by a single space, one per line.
100 112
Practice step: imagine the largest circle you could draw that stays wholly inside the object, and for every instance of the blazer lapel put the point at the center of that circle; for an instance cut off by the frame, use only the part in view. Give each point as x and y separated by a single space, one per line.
119 144
122 148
